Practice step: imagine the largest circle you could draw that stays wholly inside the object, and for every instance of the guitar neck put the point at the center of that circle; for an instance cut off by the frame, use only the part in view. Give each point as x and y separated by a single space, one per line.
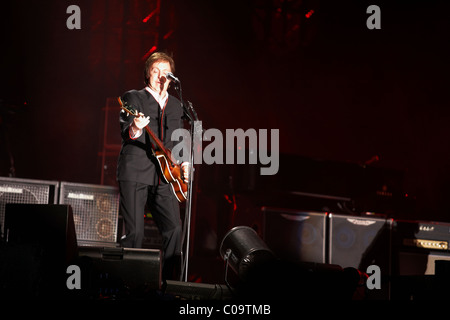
158 142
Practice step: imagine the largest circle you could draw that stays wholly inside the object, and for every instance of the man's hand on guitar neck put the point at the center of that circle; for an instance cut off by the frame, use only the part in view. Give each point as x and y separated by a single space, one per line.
138 124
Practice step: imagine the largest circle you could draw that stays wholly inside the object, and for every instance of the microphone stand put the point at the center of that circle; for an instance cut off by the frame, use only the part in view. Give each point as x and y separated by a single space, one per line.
193 120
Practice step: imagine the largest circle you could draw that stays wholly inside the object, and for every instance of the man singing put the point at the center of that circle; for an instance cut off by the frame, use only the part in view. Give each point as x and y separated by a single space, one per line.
138 174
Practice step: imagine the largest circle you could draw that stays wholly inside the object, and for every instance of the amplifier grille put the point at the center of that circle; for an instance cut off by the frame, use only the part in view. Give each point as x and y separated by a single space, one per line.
95 210
13 190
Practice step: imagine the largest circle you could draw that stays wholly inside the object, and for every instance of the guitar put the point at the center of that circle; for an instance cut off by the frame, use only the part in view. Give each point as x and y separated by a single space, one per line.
171 171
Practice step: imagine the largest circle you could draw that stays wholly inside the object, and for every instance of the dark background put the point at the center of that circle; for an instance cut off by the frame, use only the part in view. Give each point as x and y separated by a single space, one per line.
338 92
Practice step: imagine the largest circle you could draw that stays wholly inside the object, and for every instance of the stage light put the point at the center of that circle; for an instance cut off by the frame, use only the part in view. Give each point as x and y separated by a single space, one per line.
149 52
243 250
309 14
168 34
147 18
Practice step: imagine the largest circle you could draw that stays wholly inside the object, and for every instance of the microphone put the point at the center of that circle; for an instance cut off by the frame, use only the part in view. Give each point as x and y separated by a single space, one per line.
170 76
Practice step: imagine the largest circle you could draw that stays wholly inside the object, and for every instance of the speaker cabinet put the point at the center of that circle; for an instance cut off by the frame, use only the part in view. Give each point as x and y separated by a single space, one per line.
13 190
95 212
418 245
359 242
48 226
295 236
120 271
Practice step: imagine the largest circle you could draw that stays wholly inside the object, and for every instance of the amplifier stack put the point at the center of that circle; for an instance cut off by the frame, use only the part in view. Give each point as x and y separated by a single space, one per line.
401 249
95 208
418 245
13 190
95 212
49 225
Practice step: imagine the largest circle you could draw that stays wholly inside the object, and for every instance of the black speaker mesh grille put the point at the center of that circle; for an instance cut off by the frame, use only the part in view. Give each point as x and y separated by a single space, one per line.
295 235
24 191
95 210
359 241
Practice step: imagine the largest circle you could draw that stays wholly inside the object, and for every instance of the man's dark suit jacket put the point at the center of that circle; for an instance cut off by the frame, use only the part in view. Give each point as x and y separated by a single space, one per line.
136 162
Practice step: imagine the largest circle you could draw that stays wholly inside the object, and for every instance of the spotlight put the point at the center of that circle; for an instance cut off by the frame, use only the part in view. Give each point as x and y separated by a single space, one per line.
243 250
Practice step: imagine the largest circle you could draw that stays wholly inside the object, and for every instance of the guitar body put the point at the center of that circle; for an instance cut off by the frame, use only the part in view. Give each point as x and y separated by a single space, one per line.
172 175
